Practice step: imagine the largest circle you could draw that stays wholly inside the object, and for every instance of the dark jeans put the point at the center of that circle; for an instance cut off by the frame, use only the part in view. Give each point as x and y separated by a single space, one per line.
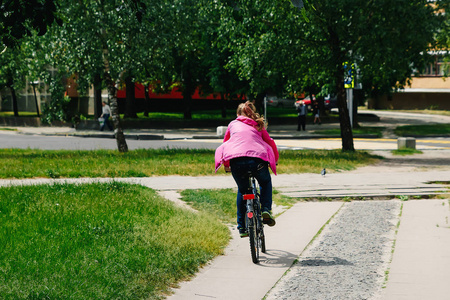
301 122
106 117
260 170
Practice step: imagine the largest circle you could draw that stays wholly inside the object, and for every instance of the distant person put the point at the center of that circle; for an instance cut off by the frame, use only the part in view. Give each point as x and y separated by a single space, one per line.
316 111
106 113
301 111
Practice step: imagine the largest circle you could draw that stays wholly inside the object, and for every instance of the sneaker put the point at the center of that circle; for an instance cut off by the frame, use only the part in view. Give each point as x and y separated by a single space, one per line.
268 219
243 233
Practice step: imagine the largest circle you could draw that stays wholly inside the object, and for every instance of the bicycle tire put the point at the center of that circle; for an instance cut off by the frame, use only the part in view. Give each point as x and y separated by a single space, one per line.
263 242
260 228
253 238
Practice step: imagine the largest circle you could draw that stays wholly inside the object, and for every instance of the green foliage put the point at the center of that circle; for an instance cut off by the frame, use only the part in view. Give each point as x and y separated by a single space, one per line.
57 108
19 18
13 69
381 37
257 37
132 36
99 241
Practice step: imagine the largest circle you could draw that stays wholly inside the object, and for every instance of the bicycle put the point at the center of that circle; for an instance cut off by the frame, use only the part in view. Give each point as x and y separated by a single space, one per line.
253 220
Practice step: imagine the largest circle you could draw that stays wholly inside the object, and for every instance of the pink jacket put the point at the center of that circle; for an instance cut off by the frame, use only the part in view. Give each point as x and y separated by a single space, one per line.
242 138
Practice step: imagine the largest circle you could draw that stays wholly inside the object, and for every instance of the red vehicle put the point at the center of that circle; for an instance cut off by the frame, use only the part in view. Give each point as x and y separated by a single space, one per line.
173 94
329 102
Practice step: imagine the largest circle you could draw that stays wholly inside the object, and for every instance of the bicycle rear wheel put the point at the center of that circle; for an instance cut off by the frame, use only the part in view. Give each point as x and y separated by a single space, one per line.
254 239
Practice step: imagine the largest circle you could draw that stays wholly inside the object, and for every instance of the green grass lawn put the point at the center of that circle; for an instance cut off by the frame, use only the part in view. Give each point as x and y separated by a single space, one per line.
99 241
406 151
378 131
8 129
32 163
21 114
418 130
278 112
196 114
222 202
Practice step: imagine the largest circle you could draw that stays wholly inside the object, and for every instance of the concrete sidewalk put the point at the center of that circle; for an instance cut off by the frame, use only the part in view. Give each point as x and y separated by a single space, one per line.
420 267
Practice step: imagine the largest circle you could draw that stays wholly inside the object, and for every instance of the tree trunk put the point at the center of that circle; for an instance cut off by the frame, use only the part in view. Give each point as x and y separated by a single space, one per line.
147 101
14 101
112 96
224 105
344 117
97 96
188 91
130 103
259 103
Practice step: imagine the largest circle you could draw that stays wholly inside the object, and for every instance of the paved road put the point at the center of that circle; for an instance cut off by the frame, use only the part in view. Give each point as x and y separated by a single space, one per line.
45 142
32 138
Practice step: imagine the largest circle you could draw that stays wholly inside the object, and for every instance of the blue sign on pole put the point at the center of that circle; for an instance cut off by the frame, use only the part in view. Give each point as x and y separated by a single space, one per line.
349 79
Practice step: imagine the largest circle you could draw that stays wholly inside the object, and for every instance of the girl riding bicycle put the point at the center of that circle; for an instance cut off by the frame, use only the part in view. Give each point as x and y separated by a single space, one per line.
246 147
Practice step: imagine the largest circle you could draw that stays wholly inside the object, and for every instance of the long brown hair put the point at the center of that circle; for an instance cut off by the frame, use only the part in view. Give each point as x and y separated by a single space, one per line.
248 109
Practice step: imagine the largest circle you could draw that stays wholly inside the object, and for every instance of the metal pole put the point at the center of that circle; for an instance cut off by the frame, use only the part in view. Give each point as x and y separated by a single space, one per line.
265 109
350 104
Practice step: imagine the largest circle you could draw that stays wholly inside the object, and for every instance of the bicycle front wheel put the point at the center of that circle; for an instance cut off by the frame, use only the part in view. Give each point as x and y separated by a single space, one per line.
263 242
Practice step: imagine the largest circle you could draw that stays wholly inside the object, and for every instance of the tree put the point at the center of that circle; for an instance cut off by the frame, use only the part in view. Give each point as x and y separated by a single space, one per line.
254 35
19 64
20 18
443 36
387 40
277 47
188 49
11 73
113 40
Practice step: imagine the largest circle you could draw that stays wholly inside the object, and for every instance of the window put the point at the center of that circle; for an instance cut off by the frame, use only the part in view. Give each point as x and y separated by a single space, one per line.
437 67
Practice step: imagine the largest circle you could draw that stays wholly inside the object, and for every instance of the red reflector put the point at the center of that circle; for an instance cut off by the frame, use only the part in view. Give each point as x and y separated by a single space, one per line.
249 196
250 215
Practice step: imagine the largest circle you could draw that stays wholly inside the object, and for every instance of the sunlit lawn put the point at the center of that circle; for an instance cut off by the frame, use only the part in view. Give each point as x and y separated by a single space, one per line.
99 241
32 163
222 202
377 131
417 130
